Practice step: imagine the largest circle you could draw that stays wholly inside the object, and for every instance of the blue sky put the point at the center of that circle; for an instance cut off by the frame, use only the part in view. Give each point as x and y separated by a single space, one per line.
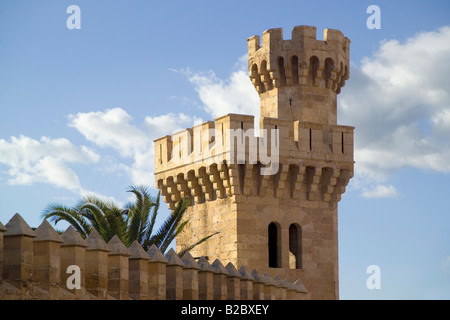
79 110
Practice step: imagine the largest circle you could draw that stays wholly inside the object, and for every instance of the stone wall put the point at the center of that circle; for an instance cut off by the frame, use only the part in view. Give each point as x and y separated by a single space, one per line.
41 264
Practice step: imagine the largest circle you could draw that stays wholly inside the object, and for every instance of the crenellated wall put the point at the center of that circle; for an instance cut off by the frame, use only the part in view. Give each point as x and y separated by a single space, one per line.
304 45
299 78
212 160
38 264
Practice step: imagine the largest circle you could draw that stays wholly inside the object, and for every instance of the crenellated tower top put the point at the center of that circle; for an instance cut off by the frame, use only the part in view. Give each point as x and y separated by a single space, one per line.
299 79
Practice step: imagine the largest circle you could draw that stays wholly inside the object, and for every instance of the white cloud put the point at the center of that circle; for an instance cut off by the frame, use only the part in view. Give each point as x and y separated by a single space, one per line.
169 123
441 123
380 191
46 160
399 102
113 128
233 95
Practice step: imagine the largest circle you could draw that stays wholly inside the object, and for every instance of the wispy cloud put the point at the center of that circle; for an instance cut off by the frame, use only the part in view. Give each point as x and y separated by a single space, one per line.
399 102
235 94
45 161
114 128
380 191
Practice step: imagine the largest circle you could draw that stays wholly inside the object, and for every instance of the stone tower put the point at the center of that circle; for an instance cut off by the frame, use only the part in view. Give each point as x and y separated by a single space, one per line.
275 213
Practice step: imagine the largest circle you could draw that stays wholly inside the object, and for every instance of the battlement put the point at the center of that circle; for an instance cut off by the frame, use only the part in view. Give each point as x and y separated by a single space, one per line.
302 60
299 78
43 265
209 161
233 139
303 37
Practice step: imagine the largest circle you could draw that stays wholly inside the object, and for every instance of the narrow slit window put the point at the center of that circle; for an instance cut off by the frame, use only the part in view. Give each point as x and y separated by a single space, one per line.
294 69
310 140
282 71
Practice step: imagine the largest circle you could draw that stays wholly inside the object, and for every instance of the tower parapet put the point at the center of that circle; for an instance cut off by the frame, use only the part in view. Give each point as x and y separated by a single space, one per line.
210 160
299 79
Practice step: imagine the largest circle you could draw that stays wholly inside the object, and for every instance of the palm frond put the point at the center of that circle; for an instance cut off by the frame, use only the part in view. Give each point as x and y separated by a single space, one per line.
192 246
134 221
152 221
168 228
168 240
97 217
57 212
139 212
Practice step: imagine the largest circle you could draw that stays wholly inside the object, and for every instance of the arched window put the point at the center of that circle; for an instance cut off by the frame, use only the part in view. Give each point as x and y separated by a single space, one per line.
282 71
313 68
274 245
295 246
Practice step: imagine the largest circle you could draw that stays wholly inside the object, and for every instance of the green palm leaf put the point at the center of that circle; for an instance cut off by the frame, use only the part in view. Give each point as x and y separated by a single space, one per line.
135 221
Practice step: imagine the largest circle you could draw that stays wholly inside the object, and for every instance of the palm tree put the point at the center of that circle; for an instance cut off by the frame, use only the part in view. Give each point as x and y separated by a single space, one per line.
134 222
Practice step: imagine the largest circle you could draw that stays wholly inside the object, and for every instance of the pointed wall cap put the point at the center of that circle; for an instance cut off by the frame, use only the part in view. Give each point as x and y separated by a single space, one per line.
299 286
289 284
232 270
2 227
219 268
96 242
18 227
173 258
204 264
269 279
156 255
72 238
245 275
279 282
117 248
257 277
189 262
45 232
137 252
